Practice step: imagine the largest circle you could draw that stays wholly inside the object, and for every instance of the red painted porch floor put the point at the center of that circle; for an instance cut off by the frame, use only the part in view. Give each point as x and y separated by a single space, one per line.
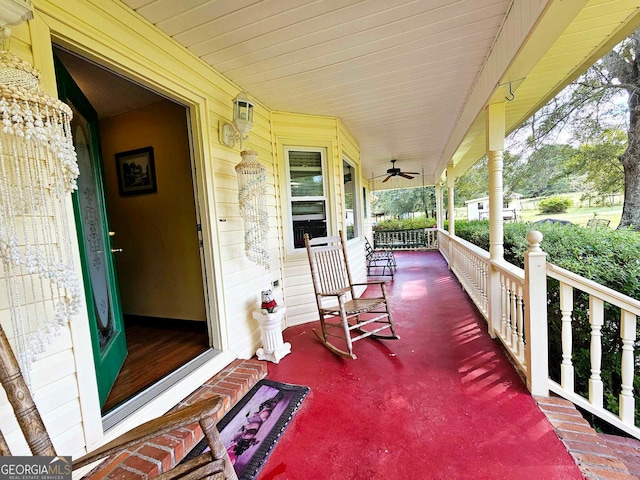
441 403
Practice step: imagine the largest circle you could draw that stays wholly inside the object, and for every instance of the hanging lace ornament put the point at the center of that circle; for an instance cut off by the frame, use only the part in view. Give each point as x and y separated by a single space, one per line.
251 196
38 171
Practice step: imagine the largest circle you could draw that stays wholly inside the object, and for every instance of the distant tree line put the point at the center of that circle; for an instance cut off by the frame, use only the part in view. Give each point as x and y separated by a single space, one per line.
587 138
592 168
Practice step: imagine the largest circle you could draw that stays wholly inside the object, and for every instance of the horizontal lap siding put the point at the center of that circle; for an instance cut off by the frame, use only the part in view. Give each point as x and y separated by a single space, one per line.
350 150
55 390
291 130
243 279
53 374
110 33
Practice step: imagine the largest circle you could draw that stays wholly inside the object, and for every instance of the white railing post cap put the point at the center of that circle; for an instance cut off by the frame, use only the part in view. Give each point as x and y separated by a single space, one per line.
534 237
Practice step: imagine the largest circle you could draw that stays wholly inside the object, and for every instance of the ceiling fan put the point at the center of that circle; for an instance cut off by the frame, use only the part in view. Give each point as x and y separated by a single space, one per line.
393 172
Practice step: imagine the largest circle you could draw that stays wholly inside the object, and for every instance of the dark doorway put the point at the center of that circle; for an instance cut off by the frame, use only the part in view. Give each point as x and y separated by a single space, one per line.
154 237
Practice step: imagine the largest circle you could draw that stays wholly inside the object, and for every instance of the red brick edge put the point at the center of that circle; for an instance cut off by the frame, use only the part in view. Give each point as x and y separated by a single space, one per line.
596 460
162 453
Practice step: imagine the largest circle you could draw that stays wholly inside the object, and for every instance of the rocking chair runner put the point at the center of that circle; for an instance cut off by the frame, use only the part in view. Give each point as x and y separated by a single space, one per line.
214 465
347 313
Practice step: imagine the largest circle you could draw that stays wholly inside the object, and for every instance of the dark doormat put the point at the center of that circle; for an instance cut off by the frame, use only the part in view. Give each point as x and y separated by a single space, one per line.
254 425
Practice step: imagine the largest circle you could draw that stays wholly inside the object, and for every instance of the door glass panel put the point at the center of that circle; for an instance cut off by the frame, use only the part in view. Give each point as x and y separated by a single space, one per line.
93 226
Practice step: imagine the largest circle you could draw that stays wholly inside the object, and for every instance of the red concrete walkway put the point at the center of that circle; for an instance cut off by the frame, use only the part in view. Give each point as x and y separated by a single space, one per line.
441 403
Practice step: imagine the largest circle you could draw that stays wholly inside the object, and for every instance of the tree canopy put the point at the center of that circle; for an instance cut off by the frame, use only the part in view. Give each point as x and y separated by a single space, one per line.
586 138
396 203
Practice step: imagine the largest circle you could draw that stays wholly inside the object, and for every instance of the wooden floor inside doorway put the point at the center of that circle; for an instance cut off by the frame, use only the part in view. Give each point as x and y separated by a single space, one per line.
156 348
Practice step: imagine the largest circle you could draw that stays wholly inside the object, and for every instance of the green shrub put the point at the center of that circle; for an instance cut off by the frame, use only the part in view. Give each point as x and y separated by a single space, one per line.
405 224
609 257
555 204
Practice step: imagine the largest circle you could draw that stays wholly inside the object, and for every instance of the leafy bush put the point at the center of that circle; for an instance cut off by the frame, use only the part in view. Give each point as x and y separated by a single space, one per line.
405 224
609 257
555 204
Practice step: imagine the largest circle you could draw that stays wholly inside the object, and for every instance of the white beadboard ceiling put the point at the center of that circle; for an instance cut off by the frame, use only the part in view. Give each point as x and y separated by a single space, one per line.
396 72
404 76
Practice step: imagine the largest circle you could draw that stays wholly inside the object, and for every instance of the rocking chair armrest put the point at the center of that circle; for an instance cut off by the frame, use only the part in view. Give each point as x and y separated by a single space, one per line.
153 428
373 282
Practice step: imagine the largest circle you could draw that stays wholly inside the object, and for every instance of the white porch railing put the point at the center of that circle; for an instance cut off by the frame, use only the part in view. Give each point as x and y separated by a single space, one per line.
517 315
629 309
419 238
471 265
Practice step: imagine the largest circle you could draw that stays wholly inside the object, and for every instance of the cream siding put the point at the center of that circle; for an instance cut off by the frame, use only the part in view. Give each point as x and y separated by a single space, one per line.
111 34
295 130
53 377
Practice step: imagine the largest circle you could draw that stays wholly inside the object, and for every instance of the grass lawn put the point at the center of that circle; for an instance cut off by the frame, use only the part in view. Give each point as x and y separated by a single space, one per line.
577 215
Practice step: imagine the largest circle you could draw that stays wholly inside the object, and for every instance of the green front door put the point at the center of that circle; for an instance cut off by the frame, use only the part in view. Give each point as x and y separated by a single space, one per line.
98 268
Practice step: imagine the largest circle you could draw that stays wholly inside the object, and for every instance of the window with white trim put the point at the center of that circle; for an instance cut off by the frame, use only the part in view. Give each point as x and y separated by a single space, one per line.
351 222
307 193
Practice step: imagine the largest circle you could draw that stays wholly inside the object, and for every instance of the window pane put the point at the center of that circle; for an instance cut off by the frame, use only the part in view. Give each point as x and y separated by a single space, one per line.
308 217
305 170
349 199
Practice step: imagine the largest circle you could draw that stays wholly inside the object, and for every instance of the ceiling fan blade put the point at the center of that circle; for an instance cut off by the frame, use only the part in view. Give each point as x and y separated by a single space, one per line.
412 173
405 175
387 178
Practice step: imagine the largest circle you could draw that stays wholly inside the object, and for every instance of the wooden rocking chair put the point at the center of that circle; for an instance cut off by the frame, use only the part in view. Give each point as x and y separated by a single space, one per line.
347 313
214 465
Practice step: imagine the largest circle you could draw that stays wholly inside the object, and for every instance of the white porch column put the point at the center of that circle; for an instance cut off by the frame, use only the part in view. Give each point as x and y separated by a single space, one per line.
495 145
451 212
439 219
535 316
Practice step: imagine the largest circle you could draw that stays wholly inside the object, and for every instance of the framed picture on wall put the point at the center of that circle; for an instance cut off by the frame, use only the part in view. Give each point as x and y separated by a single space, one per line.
136 172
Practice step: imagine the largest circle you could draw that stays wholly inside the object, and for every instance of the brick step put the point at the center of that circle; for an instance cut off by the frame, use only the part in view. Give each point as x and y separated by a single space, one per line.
162 453
627 450
596 456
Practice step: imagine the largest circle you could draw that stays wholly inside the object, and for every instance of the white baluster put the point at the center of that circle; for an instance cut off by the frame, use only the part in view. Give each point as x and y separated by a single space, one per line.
485 302
514 317
476 270
503 309
520 325
566 308
628 335
596 319
508 313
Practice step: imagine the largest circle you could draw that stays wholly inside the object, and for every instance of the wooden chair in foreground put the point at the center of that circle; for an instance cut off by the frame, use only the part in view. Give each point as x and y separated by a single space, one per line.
341 311
214 465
